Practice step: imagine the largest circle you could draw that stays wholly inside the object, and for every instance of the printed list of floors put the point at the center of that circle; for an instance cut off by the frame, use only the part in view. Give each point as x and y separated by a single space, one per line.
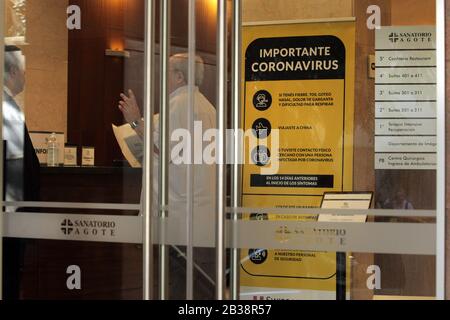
405 98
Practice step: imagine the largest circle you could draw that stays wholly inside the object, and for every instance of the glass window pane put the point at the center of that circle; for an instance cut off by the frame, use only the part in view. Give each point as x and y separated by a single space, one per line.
72 192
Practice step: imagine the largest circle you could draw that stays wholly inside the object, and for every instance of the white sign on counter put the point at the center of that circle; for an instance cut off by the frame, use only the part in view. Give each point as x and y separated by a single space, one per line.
405 98
70 156
88 157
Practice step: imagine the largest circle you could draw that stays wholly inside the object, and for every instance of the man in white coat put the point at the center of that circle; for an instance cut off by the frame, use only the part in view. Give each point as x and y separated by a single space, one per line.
21 174
204 174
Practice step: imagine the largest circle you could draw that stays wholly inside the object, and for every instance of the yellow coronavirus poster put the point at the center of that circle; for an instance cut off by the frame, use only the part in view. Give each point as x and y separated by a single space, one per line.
299 84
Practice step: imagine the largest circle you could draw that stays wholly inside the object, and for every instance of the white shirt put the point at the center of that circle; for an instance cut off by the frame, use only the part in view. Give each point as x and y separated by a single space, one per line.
13 127
14 135
204 175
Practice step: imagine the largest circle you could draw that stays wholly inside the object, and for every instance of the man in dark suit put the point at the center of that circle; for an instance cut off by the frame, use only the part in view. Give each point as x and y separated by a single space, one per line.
21 174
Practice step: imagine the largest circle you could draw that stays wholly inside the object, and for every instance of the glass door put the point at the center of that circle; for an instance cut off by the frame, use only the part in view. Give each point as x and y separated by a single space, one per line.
186 177
74 153
327 148
339 189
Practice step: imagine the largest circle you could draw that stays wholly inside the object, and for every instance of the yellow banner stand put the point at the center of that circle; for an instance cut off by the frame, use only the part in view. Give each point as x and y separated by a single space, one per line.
299 82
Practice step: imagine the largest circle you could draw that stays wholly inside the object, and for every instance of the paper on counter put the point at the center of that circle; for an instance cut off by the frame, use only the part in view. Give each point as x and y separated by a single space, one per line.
130 144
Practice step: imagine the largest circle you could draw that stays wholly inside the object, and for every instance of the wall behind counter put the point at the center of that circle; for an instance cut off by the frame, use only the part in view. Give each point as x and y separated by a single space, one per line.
45 96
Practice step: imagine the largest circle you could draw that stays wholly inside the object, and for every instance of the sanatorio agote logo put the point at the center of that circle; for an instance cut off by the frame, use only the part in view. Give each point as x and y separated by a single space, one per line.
88 227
